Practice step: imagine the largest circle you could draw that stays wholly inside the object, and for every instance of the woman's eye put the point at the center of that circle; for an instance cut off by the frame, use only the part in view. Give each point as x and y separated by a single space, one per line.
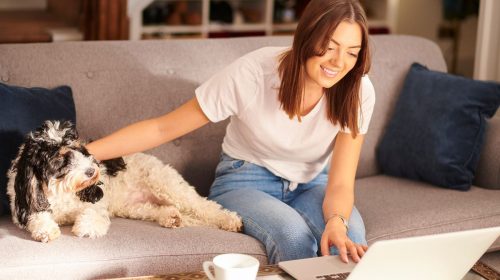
353 54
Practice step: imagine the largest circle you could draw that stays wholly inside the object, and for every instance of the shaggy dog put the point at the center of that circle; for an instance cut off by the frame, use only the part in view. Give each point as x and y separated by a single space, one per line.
55 181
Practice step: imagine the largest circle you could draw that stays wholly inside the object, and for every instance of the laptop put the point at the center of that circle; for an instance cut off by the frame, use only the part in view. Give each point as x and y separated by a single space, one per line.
447 256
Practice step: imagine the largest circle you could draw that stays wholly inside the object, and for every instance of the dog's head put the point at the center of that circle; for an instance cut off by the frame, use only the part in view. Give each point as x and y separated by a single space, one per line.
58 158
52 159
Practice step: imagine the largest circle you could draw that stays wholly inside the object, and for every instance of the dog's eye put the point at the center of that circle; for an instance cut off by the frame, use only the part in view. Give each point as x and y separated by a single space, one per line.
62 159
60 175
68 155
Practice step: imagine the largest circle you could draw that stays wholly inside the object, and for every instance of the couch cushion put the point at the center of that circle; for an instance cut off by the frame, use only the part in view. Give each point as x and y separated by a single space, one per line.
437 130
21 111
488 169
395 207
131 248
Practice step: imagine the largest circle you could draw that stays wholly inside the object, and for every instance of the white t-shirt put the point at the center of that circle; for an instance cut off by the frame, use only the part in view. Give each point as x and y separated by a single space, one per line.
260 131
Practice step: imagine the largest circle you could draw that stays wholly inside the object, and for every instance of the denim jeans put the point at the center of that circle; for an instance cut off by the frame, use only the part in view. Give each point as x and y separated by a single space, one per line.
288 223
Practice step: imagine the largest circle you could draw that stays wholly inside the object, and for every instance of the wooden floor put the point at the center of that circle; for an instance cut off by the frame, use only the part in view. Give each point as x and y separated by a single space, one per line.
28 26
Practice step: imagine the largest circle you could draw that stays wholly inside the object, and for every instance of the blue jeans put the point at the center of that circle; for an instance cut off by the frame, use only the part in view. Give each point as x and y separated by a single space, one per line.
288 223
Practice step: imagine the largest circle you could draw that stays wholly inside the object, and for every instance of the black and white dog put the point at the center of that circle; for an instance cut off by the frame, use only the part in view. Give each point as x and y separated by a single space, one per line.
55 181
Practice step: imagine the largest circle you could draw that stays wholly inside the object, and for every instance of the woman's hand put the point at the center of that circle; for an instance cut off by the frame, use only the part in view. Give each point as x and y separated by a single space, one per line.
335 234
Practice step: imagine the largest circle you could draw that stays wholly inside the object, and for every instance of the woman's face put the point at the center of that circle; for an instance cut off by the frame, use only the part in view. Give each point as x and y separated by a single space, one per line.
341 56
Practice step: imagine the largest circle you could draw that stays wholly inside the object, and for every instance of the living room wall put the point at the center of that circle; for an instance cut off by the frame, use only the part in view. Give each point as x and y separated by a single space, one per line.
425 17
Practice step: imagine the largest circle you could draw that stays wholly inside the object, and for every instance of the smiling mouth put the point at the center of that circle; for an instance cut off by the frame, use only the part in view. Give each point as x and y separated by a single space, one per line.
328 72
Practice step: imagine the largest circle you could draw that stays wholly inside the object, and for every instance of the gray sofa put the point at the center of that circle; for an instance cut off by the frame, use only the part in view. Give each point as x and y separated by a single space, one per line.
116 83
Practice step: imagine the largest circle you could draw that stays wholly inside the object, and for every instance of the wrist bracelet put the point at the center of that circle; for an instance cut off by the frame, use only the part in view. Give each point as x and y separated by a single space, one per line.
342 218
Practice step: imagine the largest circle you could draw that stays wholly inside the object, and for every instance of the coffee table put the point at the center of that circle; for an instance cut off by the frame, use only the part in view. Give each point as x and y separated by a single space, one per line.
265 270
479 271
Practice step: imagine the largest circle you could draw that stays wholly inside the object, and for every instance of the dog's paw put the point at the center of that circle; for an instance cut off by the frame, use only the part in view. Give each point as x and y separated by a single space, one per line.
46 233
42 227
170 218
231 222
91 224
90 231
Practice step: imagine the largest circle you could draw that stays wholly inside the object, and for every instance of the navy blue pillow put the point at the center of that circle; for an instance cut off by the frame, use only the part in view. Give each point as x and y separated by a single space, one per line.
437 130
21 111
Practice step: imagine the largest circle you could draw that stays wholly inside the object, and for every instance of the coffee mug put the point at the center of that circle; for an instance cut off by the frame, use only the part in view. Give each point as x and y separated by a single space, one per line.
232 267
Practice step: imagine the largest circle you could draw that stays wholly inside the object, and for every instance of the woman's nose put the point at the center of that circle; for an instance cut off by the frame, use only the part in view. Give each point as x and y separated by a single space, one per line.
338 59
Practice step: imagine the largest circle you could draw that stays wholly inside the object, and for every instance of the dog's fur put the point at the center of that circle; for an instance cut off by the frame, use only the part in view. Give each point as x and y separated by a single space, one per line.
55 181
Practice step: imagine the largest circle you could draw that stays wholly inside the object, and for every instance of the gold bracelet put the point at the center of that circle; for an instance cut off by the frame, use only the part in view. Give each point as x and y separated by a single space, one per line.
342 218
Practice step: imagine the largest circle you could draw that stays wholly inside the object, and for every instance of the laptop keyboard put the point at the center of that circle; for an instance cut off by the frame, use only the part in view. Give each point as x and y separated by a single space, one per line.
337 276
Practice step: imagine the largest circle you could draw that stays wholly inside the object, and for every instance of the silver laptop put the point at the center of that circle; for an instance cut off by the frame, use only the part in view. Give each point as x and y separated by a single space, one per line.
441 257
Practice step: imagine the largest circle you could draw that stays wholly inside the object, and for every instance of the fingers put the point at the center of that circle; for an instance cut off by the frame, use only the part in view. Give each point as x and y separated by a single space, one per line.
325 246
361 250
343 252
345 248
357 251
325 249
353 250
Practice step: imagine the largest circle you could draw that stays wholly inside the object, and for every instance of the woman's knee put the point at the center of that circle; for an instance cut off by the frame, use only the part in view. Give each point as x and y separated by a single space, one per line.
281 229
283 241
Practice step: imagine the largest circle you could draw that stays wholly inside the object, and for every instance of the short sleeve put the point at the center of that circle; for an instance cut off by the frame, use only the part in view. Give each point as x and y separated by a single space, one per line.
367 105
229 91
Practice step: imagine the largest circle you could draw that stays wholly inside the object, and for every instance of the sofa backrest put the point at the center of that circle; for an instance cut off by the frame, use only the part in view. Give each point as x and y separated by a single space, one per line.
117 83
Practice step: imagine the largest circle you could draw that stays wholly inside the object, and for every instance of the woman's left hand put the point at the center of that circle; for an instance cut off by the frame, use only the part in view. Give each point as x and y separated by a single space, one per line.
335 234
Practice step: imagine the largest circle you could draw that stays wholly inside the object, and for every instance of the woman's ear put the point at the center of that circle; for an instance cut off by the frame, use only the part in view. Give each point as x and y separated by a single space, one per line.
28 185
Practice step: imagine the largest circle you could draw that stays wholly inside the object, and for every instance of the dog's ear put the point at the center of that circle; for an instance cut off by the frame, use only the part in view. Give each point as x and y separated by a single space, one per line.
70 133
30 197
91 194
114 165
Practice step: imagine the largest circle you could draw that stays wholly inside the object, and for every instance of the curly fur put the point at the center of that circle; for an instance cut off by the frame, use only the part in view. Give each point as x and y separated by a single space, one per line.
55 181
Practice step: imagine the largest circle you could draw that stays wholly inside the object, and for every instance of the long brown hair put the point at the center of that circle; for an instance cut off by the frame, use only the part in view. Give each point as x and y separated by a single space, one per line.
314 30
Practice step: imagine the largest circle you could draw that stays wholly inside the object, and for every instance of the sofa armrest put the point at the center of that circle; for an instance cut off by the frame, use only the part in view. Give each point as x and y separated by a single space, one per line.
488 170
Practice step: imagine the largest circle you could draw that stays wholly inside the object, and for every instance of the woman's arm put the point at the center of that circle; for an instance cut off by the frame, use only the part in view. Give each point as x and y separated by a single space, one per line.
150 133
339 196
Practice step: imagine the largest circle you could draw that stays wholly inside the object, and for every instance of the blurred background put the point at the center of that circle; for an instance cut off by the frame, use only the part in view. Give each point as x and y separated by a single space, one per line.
459 27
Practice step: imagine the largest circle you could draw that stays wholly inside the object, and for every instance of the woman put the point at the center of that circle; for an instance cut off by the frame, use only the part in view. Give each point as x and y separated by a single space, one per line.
291 150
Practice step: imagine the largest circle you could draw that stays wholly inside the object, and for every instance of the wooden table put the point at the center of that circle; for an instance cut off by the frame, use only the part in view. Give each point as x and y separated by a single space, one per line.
200 275
478 271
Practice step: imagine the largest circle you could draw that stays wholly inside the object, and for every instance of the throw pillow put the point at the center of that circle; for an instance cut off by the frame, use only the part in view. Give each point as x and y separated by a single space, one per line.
437 130
21 111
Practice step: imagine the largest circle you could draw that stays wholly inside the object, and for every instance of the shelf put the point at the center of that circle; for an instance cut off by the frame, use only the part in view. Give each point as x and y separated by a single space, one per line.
382 15
149 29
279 27
216 27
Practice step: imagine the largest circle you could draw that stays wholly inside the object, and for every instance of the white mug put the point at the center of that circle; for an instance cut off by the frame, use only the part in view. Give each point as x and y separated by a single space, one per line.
232 267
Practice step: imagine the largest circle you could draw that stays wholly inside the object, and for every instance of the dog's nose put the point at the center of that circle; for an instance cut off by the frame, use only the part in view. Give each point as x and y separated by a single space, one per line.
90 172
